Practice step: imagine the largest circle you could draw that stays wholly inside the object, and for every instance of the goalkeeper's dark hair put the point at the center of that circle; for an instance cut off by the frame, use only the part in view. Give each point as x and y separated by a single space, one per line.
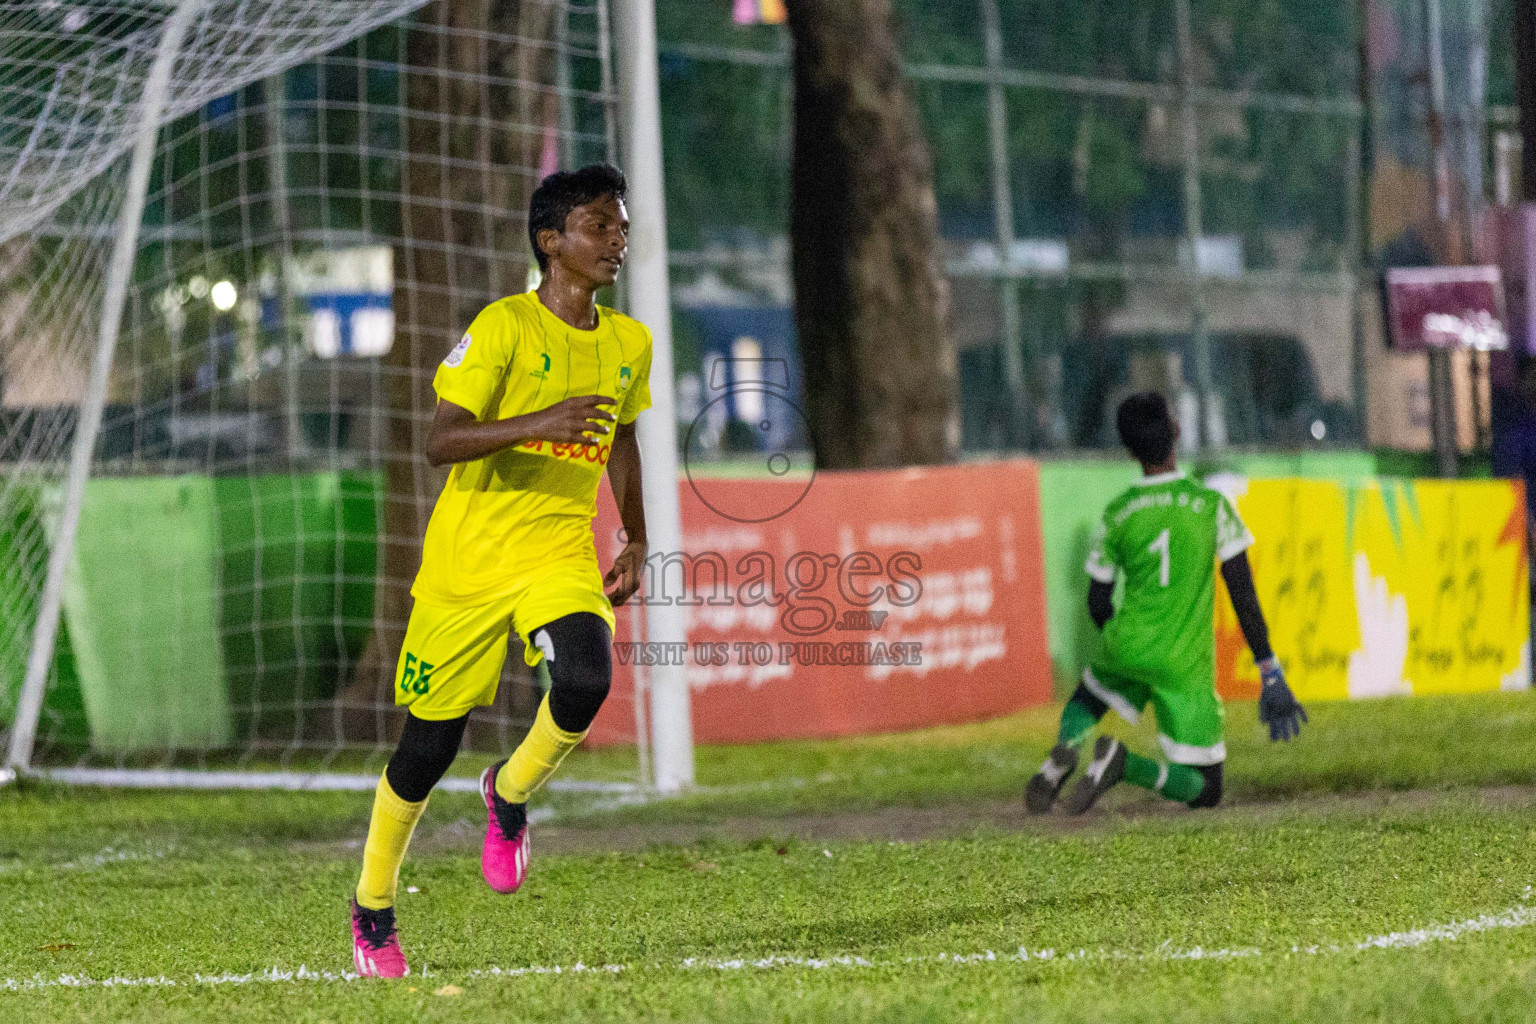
563 191
1146 427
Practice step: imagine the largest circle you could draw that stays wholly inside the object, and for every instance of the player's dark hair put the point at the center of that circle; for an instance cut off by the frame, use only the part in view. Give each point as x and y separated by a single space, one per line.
563 191
1146 427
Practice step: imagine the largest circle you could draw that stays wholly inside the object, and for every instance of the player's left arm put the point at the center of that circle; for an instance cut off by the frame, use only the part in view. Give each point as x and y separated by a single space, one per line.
625 575
1278 707
623 578
1101 576
1101 602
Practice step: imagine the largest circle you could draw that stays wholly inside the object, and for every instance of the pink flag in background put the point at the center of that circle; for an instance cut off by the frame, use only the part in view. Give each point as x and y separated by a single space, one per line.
758 12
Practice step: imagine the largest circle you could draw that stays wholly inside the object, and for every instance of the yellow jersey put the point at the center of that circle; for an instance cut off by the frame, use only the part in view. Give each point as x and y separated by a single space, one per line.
522 508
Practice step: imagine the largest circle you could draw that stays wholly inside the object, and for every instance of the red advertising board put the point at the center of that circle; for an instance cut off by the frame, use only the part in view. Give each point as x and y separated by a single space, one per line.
1446 307
859 603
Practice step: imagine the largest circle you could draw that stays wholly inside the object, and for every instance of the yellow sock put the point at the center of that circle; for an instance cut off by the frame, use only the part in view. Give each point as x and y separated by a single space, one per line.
536 758
389 833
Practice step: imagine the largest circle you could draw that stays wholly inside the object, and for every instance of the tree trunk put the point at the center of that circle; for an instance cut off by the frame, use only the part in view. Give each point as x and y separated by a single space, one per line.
870 292
473 135
1525 91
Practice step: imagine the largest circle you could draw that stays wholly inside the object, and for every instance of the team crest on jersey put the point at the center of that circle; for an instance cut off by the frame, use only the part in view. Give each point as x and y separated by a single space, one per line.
459 351
626 378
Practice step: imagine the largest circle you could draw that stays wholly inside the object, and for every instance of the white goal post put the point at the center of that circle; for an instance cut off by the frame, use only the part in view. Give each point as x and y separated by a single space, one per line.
125 248
650 302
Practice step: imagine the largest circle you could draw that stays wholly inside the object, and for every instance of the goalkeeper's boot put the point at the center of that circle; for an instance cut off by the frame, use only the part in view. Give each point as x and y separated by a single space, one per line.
376 945
1105 770
504 857
1041 791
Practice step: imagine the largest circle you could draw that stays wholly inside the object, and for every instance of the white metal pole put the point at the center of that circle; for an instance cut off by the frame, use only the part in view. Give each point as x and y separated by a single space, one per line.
1442 393
1473 198
642 693
119 273
1505 145
1019 429
610 118
1194 230
650 302
567 140
275 110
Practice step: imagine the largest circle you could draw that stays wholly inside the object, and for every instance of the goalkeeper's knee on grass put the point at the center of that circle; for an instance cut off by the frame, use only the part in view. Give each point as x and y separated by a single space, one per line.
1210 796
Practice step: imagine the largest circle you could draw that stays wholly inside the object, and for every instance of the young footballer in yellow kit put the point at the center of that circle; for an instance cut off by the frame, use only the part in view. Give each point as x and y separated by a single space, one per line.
535 402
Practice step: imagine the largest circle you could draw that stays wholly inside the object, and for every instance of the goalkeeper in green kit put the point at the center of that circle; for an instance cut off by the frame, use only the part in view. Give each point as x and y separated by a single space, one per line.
1165 536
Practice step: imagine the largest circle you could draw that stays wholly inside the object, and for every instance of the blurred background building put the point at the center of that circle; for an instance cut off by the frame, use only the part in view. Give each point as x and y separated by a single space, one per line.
1132 194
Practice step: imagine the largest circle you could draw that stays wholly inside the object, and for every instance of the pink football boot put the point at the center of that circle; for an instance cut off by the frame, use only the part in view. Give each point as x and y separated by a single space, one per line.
375 944
504 857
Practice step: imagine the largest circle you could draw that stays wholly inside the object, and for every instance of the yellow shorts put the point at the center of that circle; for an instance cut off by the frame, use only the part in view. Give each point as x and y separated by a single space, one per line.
451 660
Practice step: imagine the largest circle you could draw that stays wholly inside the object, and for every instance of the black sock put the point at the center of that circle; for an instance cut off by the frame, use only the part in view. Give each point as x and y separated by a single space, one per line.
376 925
509 816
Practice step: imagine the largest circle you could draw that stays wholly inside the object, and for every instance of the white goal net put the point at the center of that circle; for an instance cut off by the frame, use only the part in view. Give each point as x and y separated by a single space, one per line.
333 190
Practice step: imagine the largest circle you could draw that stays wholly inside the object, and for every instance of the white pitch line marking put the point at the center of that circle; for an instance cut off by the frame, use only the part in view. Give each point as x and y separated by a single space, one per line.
1515 917
99 860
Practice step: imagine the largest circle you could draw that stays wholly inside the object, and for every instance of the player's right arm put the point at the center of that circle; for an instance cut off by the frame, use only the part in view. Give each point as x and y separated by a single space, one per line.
467 384
456 435
1278 707
1238 576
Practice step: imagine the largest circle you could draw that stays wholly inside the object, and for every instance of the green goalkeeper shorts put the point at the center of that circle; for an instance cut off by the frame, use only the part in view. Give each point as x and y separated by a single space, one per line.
1190 718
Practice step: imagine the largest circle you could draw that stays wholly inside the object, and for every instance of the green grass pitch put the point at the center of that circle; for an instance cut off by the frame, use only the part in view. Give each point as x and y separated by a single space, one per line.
1380 868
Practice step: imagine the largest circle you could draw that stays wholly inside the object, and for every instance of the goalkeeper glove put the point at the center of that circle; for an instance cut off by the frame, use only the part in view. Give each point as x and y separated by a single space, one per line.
1278 707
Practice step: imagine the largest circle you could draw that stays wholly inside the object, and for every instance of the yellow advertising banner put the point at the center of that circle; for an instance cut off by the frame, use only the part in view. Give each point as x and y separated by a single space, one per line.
1383 587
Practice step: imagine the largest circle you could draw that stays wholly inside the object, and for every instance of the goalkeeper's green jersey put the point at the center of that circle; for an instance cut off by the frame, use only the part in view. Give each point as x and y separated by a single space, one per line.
1164 536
